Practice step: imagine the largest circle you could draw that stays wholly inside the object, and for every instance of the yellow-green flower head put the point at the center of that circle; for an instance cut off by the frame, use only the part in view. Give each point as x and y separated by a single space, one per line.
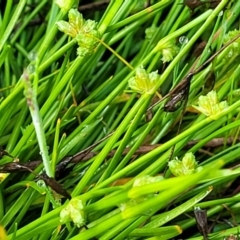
149 32
189 161
169 51
209 105
143 82
74 211
234 48
141 181
86 39
76 19
187 166
84 32
75 24
67 28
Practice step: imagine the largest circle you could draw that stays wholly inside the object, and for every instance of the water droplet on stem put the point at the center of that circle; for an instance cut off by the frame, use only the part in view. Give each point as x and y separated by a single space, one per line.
183 40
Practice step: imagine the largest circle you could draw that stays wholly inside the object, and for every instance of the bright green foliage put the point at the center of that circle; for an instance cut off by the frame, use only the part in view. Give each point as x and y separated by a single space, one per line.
83 85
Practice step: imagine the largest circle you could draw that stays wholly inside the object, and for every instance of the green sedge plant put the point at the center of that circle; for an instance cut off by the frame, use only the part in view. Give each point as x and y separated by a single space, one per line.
79 82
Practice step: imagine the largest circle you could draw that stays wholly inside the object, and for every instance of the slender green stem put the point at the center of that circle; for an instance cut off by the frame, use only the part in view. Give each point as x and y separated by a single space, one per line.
12 23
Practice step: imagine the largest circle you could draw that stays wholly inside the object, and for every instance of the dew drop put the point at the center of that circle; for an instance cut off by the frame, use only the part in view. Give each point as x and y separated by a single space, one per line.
230 54
41 183
31 68
32 56
220 14
183 40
